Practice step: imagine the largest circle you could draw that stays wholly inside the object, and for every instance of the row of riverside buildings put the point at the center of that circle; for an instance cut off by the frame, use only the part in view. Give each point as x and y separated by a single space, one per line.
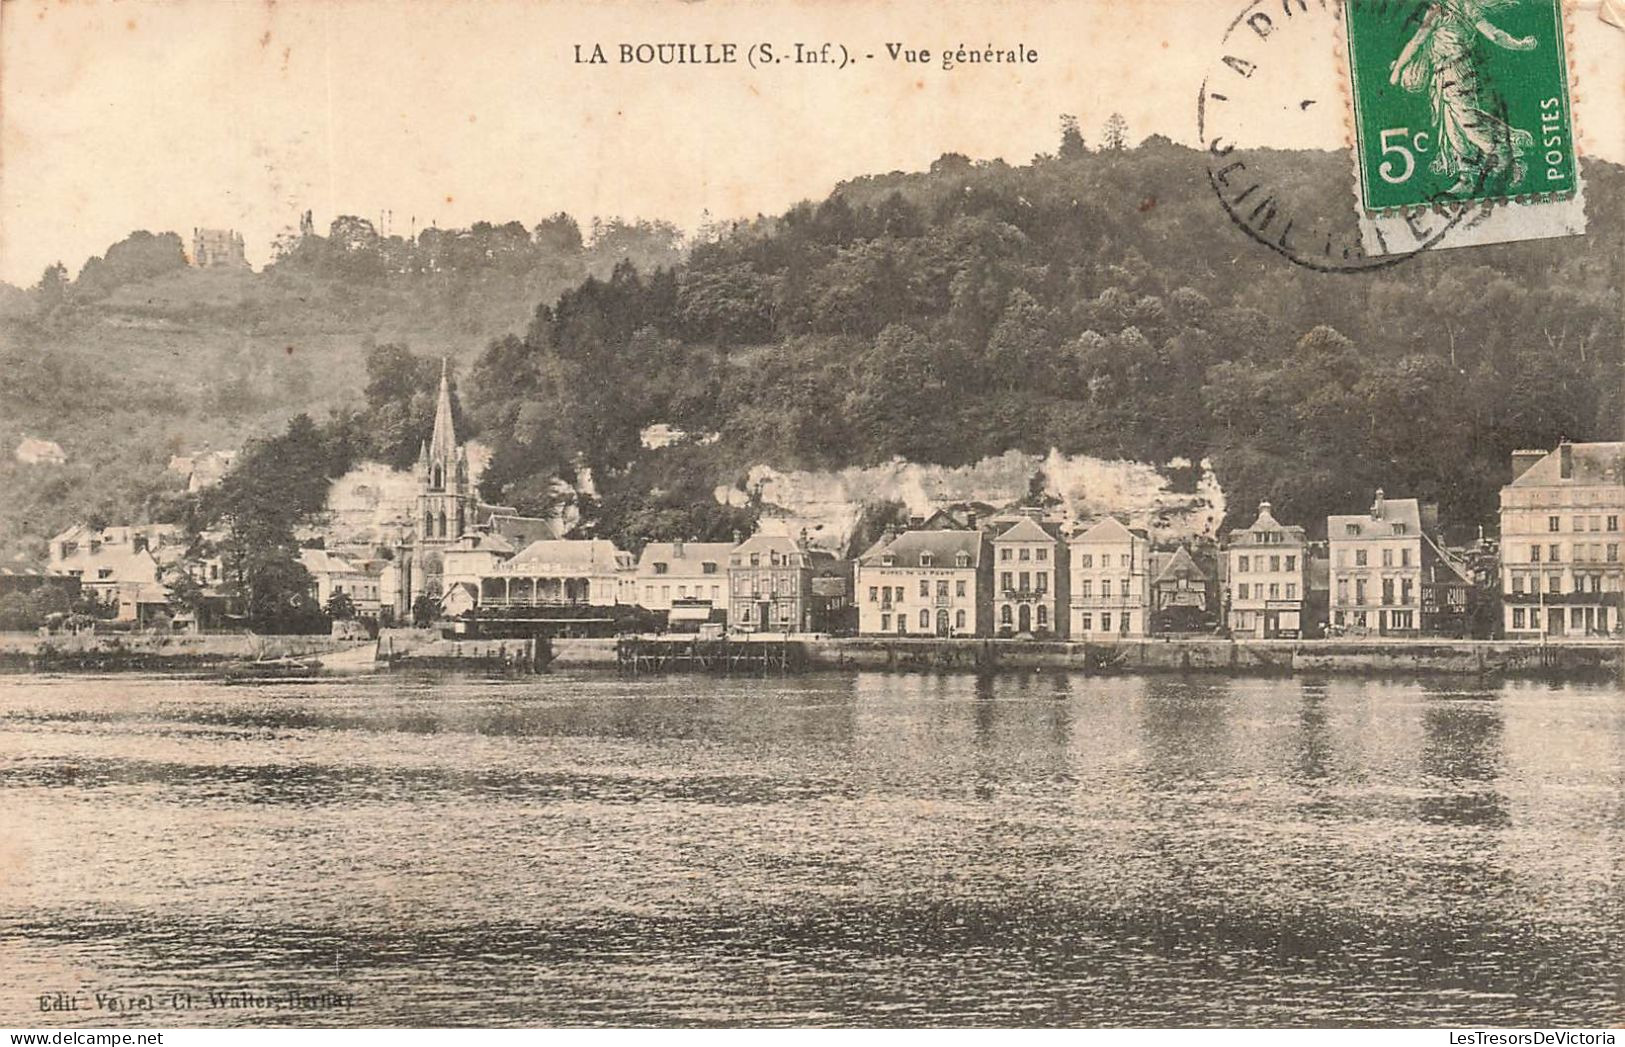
969 571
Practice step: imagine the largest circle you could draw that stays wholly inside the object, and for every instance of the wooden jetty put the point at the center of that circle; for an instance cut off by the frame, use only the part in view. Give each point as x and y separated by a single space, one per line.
687 654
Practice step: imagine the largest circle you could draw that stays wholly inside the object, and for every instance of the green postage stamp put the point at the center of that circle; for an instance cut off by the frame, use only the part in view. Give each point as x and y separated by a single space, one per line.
1461 108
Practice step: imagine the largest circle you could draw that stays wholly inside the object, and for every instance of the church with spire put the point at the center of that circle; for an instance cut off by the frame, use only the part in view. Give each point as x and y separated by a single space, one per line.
448 514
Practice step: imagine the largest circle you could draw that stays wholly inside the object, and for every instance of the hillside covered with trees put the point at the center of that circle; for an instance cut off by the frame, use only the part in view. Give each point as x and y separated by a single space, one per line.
1097 302
1094 302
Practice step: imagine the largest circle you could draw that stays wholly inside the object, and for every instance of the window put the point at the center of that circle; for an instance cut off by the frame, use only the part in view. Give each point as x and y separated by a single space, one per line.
1042 555
1613 523
756 559
1042 580
925 619
1275 590
962 559
1554 583
1613 553
1554 553
1387 590
1105 587
1359 558
1124 590
1517 583
1292 563
900 594
104 572
1534 554
1399 528
1275 563
1126 620
1517 618
874 594
1106 623
665 593
1291 590
1005 617
1534 617
1552 523
1026 554
885 622
1243 592
927 560
1351 530
1086 560
1125 560
1086 588
1006 581
1244 564
1405 557
925 588
1359 590
959 587
1579 523
942 588
1026 581
959 619
1086 623
1388 558
1004 553
661 568
708 568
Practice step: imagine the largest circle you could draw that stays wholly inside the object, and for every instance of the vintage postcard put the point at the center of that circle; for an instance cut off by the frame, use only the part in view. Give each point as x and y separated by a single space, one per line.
838 515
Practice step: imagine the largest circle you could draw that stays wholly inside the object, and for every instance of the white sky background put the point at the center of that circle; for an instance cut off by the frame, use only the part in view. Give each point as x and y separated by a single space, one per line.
163 116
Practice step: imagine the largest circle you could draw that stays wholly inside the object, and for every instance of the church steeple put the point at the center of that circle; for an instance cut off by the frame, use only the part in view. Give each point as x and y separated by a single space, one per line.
443 444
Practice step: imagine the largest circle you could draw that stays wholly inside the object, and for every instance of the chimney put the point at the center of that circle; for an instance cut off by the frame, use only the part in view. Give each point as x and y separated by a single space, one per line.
1522 460
677 549
970 519
916 522
1376 506
1565 460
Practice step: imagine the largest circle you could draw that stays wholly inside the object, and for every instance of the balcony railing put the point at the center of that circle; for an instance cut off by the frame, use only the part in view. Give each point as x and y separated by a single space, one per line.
1109 603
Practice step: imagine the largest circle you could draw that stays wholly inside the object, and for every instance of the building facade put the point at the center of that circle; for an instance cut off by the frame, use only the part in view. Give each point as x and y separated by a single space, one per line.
1029 574
1389 575
1267 578
1111 580
770 585
1561 567
1181 593
925 583
683 579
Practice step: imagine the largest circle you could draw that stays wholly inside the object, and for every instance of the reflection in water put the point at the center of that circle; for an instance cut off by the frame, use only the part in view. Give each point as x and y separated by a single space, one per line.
868 849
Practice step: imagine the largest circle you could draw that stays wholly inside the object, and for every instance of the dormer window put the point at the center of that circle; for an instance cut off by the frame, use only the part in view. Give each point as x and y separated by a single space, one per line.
1399 528
661 568
962 559
888 560
927 560
708 568
1351 529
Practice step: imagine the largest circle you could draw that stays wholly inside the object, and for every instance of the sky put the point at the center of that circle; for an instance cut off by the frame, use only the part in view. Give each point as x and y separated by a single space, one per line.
135 114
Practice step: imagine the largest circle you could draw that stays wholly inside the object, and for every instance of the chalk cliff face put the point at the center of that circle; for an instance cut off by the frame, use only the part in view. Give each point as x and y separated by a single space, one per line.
827 504
373 504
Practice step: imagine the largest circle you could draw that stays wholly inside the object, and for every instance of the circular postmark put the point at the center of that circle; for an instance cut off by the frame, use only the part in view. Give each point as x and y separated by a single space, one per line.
1279 78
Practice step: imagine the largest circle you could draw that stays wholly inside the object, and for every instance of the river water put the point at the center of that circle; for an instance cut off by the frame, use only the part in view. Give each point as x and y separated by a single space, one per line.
838 849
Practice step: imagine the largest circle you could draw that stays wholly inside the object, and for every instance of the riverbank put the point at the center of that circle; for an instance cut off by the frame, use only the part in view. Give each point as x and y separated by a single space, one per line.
138 652
169 652
1241 657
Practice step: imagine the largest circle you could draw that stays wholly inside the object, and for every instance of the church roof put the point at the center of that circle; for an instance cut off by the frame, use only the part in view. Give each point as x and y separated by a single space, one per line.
443 444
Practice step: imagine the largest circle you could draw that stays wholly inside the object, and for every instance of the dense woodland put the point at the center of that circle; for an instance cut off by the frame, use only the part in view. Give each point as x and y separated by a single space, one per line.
1097 302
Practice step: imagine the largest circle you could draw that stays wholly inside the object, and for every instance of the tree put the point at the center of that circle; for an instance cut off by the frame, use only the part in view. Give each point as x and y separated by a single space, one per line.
1072 144
187 595
340 607
425 609
52 288
1114 135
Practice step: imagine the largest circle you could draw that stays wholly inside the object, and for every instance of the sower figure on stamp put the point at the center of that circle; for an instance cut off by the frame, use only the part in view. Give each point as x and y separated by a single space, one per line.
1470 139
